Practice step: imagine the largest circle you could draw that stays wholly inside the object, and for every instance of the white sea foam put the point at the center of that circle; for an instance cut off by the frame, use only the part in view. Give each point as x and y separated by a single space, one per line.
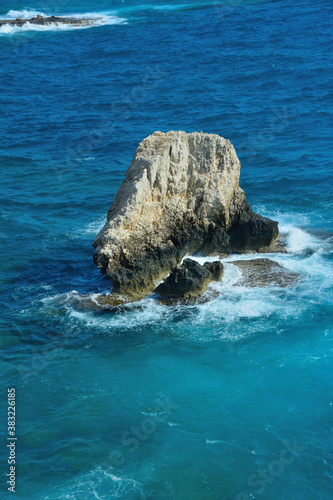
80 160
217 317
299 240
93 484
145 312
25 14
93 228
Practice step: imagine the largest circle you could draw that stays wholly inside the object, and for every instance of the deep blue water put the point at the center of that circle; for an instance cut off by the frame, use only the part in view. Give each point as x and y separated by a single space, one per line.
216 393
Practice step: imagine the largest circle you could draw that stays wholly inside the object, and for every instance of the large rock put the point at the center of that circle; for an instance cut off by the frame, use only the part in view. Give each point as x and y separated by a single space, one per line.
189 280
181 196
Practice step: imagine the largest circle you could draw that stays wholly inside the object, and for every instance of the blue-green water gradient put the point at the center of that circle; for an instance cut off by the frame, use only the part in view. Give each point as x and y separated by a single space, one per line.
229 399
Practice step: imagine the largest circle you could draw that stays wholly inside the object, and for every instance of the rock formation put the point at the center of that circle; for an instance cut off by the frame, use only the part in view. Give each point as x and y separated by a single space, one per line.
44 21
181 196
189 280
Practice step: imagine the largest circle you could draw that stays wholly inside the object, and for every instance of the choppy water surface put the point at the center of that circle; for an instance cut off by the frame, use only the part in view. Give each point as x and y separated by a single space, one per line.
227 399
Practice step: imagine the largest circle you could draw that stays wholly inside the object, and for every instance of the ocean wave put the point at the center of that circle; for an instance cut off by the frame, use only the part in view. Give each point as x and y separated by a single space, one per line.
299 240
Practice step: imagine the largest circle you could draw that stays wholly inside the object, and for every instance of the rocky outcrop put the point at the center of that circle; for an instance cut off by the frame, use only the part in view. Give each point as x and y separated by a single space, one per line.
181 196
265 272
189 280
188 284
44 21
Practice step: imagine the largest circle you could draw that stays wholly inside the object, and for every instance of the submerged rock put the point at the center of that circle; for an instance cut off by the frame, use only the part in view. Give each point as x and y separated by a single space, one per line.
181 196
189 280
98 302
265 272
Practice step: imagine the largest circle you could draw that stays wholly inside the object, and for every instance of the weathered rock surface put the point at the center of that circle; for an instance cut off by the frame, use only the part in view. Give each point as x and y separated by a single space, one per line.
265 272
189 280
181 196
43 21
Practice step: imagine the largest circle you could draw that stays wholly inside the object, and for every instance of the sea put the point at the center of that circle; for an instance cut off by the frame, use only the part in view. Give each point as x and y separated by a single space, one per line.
226 399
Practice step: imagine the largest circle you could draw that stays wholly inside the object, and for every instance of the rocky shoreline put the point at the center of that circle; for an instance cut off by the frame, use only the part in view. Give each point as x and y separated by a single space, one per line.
44 21
180 197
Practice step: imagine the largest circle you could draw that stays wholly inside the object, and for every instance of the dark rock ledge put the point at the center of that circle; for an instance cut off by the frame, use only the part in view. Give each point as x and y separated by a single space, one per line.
44 21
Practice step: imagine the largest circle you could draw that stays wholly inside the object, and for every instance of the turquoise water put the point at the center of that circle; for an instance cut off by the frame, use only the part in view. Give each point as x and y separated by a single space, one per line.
157 402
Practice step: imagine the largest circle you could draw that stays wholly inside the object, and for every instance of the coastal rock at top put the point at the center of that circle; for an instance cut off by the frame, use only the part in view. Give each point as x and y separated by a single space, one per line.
180 196
189 280
45 21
